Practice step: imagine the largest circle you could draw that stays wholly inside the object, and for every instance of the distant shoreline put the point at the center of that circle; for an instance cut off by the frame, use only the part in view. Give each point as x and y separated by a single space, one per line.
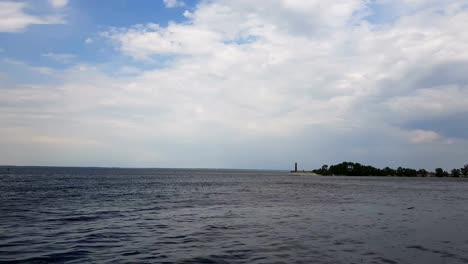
310 173
357 169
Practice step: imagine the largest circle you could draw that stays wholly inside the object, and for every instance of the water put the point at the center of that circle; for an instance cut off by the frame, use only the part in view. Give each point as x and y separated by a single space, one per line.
73 215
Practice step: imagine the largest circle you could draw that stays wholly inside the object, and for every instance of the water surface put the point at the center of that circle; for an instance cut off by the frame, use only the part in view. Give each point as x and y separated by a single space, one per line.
78 215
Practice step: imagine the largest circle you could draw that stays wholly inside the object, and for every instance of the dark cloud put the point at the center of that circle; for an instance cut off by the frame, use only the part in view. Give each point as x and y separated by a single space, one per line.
450 126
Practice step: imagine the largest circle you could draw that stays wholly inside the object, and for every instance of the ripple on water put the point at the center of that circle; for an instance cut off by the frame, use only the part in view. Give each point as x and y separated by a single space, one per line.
441 253
62 257
79 218
212 216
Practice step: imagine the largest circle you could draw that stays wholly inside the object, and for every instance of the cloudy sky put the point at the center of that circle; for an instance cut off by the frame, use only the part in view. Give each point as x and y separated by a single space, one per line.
234 84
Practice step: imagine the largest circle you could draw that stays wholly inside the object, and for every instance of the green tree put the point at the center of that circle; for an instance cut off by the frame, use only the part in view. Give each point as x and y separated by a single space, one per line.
422 173
410 172
324 170
389 171
439 172
399 171
455 173
464 170
356 169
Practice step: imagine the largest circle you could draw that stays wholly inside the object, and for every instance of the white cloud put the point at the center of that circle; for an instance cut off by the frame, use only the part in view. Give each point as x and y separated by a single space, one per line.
422 136
15 19
58 3
63 141
129 70
173 3
142 41
23 68
60 57
89 40
290 77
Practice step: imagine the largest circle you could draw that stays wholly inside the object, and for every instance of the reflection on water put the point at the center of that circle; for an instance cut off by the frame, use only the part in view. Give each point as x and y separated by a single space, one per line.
221 216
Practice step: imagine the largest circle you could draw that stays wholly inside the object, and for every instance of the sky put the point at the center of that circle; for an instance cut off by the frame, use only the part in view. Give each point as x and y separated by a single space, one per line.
234 84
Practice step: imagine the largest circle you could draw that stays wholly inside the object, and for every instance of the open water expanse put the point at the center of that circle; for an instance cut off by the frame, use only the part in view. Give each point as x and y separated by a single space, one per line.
86 215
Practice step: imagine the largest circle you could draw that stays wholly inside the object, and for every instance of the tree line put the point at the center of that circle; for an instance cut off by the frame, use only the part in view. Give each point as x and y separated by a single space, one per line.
357 169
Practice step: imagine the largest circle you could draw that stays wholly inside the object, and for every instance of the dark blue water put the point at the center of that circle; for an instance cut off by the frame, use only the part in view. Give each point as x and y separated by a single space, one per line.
71 215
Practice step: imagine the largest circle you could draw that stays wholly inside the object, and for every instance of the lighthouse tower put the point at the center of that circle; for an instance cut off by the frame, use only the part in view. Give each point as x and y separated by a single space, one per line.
295 166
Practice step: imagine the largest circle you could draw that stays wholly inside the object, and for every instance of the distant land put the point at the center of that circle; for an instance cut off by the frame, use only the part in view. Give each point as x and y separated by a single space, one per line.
357 169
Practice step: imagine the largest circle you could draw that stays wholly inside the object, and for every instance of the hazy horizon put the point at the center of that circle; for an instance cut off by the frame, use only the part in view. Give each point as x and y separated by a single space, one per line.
234 84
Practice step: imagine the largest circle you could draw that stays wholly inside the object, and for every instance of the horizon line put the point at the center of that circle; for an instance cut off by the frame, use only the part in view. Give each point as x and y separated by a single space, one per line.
123 167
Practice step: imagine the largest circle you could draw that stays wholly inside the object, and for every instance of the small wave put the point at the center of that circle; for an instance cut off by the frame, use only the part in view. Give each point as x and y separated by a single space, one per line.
57 257
442 253
131 253
385 260
82 218
215 227
106 235
221 259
